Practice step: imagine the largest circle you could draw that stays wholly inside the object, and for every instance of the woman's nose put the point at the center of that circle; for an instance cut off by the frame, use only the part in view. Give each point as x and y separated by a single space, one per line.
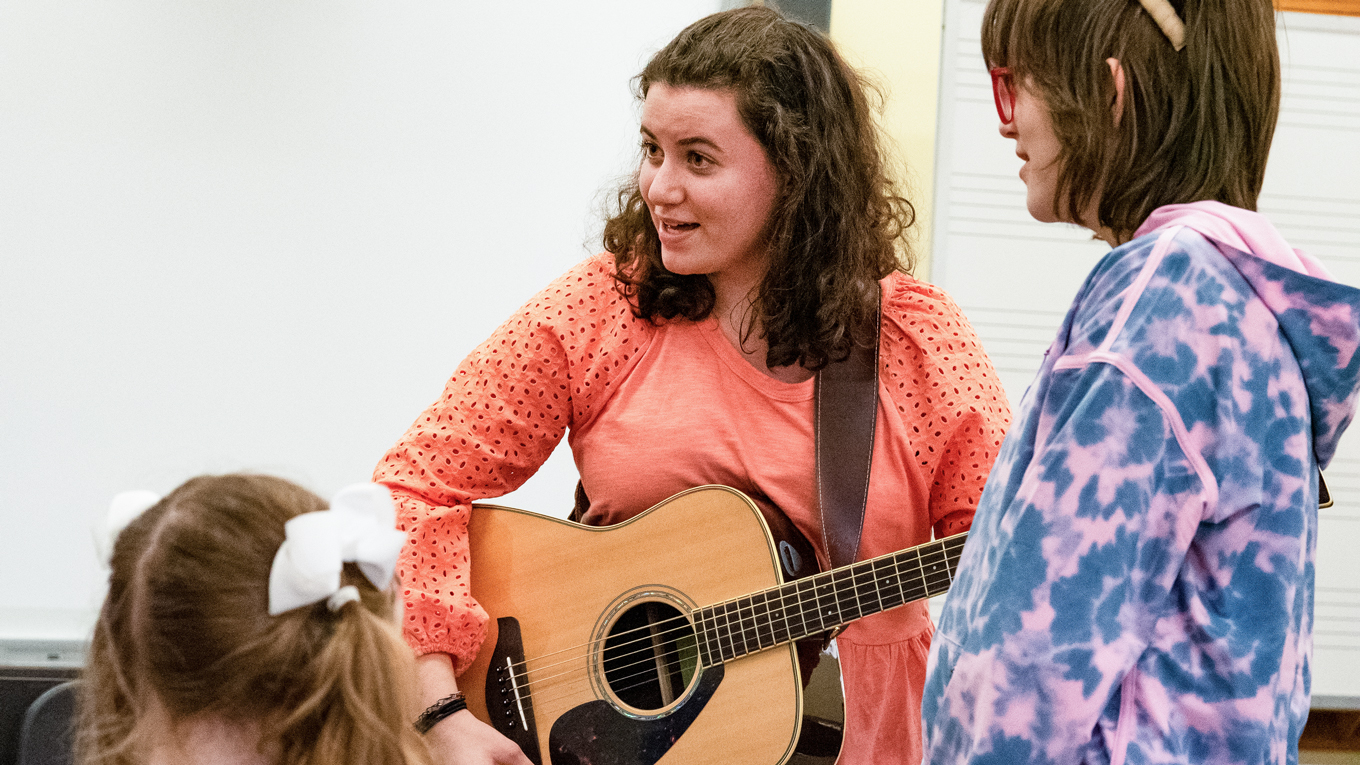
1008 129
665 186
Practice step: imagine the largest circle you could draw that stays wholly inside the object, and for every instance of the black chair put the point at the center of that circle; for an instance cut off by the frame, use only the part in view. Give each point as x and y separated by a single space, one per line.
48 735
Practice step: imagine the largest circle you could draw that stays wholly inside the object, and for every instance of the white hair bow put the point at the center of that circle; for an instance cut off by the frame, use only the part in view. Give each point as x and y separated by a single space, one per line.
125 508
359 527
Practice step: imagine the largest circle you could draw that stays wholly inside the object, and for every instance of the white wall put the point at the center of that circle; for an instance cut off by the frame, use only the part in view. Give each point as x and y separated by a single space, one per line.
260 234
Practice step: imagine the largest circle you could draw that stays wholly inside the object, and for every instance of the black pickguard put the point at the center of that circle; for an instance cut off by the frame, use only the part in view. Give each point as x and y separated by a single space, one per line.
596 733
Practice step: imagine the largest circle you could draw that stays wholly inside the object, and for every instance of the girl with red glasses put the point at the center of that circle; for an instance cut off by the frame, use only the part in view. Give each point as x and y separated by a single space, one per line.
1138 584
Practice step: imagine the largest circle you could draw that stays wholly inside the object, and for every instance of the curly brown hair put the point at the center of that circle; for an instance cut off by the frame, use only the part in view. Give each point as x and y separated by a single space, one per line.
838 221
185 633
1196 123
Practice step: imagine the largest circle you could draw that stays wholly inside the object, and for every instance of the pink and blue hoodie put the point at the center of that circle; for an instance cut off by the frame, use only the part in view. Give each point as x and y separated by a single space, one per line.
1138 584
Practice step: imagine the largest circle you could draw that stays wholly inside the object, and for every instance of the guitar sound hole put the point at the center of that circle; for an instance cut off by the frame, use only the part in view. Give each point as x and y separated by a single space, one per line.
650 656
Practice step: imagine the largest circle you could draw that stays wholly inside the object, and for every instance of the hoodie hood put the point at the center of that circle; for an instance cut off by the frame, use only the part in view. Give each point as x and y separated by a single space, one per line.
1318 316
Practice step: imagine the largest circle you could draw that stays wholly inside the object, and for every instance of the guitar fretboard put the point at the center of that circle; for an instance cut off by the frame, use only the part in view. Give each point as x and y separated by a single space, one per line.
813 605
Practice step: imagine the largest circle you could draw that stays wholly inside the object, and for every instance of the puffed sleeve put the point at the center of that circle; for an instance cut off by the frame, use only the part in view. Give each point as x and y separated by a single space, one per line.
937 374
547 368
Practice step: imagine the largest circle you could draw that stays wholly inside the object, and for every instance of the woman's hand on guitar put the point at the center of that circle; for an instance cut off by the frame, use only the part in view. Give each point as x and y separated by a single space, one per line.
462 739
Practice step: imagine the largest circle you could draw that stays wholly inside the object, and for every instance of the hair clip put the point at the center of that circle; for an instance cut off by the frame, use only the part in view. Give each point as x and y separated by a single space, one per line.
359 527
125 508
1167 20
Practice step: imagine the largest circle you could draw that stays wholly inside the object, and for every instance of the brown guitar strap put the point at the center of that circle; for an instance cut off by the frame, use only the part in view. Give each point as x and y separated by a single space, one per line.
845 407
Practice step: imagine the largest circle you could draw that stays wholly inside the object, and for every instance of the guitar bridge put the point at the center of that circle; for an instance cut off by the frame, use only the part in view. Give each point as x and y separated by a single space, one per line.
508 702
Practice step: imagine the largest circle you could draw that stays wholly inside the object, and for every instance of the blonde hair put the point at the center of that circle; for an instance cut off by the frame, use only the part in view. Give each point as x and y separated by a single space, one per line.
185 628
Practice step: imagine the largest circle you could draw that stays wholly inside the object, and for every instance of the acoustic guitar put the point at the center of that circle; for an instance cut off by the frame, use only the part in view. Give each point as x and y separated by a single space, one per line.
667 638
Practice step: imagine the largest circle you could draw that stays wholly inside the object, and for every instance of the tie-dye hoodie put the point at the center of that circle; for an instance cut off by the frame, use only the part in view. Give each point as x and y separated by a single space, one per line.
1138 586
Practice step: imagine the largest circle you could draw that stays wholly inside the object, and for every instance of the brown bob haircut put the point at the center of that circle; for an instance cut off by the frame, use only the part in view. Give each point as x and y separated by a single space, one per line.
185 635
1196 123
837 221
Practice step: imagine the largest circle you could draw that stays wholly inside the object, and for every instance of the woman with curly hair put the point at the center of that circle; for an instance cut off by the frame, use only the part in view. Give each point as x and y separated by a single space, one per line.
752 249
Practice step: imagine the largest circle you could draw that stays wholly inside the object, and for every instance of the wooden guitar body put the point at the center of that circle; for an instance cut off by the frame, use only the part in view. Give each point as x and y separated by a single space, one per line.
606 666
668 638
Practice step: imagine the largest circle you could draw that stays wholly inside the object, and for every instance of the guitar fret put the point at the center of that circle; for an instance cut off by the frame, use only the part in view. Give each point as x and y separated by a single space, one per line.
751 624
891 581
807 603
917 583
938 565
743 624
788 598
721 633
710 634
714 631
800 609
779 620
920 588
736 640
828 610
746 625
760 620
812 615
845 596
705 652
865 589
766 625
878 591
770 603
719 650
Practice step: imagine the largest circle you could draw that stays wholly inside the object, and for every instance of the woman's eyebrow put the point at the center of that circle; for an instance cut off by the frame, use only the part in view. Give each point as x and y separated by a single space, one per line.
699 140
691 141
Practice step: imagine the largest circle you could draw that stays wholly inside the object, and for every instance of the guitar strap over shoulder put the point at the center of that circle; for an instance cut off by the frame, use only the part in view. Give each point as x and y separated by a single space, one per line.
845 408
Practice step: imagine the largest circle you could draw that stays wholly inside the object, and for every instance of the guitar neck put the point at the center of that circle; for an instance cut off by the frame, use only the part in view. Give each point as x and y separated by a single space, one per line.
816 604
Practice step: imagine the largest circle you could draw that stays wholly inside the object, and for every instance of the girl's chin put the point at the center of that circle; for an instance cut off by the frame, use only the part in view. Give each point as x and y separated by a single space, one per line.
1042 211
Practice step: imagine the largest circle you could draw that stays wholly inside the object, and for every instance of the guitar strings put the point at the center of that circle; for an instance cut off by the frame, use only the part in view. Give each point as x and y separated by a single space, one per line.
684 623
545 704
650 659
647 678
799 590
648 649
647 652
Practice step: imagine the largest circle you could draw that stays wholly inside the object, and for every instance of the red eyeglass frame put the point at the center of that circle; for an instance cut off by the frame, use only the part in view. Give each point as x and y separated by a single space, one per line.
1003 92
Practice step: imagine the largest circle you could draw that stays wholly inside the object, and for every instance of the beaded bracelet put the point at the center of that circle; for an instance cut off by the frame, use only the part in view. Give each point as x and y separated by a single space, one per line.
439 710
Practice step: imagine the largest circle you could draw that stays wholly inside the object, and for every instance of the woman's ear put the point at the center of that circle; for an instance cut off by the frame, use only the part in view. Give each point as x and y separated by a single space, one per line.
1117 71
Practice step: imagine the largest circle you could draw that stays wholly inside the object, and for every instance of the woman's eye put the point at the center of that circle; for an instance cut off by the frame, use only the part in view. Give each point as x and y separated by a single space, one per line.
650 150
699 160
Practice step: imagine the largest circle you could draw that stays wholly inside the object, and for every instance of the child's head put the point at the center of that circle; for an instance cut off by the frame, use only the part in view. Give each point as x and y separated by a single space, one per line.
186 636
1193 124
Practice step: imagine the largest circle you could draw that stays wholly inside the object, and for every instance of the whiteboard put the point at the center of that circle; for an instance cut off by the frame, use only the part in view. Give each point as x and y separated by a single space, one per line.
259 235
1015 277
